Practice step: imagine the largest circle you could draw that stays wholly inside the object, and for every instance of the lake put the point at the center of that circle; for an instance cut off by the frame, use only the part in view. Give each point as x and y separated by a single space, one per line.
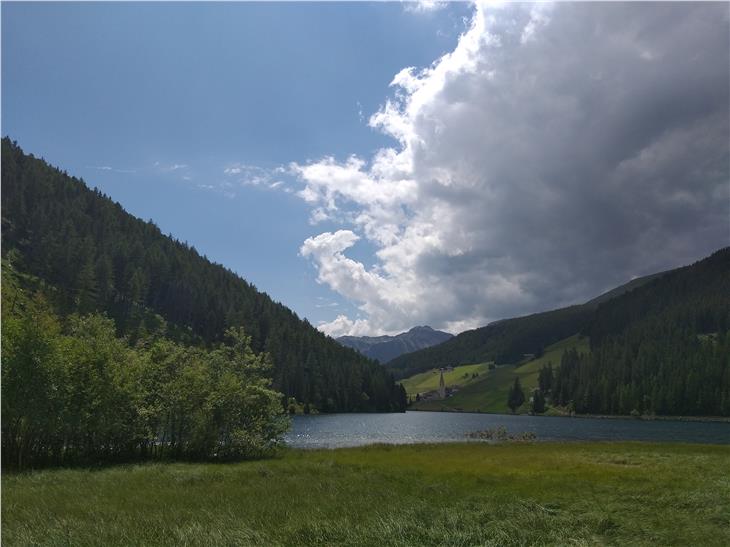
340 430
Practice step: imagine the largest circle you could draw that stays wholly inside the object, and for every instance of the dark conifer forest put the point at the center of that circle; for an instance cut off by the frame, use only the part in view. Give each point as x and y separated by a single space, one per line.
93 257
661 349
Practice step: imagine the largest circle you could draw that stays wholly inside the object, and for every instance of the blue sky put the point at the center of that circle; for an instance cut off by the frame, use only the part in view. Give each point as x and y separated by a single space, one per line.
377 166
143 87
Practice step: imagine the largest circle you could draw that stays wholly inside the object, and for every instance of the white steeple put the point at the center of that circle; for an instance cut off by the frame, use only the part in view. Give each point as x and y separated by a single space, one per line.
442 386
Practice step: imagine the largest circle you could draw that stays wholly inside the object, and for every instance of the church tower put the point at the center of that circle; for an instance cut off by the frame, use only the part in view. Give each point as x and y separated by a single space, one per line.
442 386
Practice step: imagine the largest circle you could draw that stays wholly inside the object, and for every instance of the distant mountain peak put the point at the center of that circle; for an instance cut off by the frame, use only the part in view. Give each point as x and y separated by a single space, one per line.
385 348
424 328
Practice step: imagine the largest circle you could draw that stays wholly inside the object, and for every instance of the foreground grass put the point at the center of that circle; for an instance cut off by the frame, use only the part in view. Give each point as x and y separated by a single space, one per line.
457 494
489 393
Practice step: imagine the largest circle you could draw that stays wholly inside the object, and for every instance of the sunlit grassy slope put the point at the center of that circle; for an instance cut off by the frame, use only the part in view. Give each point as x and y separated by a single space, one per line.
489 392
429 380
458 494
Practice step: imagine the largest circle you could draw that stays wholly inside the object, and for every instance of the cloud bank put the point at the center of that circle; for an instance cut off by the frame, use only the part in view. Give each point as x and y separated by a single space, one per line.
558 151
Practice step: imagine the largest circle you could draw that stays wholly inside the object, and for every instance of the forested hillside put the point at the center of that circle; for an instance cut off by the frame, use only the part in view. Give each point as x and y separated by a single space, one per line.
503 341
98 258
663 348
507 341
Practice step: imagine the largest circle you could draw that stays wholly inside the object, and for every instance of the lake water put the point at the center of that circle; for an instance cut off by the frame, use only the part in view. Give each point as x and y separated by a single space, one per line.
339 430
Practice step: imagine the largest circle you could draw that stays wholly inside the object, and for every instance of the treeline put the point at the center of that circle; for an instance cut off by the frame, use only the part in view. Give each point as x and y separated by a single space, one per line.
103 260
505 342
661 349
75 393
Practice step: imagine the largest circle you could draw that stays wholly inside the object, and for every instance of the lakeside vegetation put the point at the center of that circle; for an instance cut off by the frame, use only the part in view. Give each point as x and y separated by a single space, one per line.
456 494
74 393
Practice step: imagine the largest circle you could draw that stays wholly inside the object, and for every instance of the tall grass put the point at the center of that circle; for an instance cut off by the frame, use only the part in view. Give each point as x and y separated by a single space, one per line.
456 494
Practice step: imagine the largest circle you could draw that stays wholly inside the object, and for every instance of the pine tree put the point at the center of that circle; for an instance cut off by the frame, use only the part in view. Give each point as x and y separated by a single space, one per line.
516 396
538 401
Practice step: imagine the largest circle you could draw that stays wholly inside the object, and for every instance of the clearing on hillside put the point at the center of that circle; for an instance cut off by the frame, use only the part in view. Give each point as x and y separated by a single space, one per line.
429 381
488 392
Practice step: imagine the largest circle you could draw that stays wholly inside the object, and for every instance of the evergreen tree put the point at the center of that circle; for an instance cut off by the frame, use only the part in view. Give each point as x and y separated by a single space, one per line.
516 396
545 378
538 401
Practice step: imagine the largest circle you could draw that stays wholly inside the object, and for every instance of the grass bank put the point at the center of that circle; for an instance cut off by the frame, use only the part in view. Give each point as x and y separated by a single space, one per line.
456 494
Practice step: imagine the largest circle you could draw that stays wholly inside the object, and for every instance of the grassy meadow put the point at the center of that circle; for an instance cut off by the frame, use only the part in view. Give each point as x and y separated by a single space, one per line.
452 494
429 380
489 392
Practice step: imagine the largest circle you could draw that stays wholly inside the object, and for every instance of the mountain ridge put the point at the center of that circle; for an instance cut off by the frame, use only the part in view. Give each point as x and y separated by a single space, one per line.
385 348
626 287
506 340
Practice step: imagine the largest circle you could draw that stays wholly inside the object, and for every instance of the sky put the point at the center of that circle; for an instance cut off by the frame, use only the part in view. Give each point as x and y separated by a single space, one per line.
376 166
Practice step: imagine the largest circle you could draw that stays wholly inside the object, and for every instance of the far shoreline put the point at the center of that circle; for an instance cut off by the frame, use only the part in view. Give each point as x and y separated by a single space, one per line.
646 418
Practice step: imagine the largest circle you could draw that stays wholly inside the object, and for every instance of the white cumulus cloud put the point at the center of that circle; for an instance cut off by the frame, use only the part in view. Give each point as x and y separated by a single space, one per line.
556 152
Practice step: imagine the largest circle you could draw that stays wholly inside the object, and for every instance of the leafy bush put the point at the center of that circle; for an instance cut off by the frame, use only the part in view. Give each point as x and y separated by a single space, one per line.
78 394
